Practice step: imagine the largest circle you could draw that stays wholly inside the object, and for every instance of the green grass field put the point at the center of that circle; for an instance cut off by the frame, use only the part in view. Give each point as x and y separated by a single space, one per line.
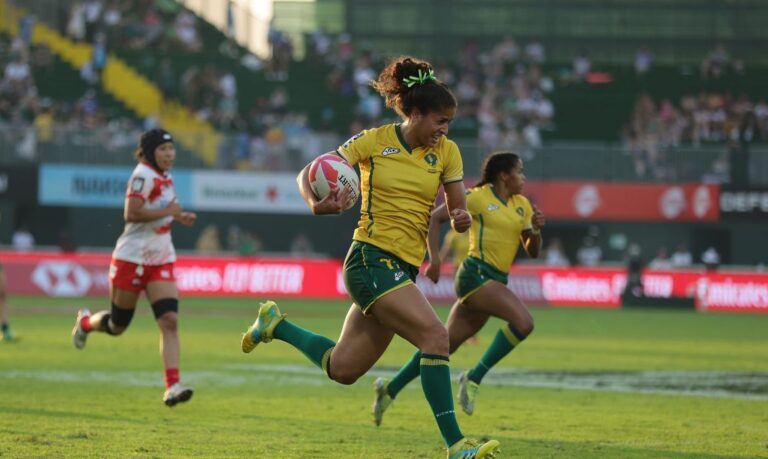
588 383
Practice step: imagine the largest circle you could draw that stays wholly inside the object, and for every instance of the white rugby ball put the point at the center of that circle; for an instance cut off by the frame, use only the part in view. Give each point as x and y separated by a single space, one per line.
330 171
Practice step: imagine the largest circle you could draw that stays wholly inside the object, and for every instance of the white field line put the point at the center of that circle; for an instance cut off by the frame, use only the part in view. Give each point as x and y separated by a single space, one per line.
716 384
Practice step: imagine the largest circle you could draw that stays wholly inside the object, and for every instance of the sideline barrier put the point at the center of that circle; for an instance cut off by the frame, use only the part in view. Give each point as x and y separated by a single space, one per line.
75 275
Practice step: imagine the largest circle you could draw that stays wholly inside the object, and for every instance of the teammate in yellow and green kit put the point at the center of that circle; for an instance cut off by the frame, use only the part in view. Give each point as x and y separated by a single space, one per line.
457 246
402 167
502 220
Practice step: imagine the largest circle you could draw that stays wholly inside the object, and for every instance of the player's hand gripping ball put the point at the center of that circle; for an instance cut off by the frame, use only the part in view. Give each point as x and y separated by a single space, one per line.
329 172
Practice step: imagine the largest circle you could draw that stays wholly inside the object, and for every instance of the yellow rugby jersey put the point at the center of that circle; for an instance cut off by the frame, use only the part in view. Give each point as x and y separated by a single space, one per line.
398 187
459 244
497 225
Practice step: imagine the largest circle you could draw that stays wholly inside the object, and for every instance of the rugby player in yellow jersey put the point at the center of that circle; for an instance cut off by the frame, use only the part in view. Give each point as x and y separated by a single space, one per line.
456 245
502 219
402 166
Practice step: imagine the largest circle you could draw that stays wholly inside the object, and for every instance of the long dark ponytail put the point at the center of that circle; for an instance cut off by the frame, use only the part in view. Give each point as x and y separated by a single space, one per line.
495 164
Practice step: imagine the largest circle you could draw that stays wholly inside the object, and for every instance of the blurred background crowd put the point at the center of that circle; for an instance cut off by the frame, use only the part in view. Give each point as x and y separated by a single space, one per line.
643 104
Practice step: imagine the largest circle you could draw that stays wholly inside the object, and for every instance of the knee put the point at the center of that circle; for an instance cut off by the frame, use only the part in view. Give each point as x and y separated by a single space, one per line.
164 308
435 340
168 322
116 330
524 326
344 376
117 321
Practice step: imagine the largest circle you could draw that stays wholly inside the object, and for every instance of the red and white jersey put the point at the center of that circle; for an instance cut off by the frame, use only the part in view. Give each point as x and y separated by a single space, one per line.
148 243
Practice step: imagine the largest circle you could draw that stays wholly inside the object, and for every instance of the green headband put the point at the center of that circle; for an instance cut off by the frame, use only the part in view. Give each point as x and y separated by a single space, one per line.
422 78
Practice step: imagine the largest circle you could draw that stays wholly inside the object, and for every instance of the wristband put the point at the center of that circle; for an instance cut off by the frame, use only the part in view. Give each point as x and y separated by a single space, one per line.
536 232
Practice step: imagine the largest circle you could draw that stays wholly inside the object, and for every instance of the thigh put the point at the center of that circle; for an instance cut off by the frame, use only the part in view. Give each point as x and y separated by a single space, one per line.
497 300
363 340
126 276
371 273
124 299
463 323
158 290
407 312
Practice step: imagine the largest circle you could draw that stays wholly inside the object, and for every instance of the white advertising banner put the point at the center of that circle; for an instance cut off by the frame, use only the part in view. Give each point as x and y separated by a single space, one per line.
247 192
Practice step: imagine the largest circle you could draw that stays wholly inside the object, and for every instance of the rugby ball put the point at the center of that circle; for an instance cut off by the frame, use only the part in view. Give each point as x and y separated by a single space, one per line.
330 171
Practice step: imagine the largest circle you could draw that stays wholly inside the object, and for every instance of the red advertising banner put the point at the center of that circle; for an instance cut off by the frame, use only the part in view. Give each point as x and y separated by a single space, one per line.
76 275
625 201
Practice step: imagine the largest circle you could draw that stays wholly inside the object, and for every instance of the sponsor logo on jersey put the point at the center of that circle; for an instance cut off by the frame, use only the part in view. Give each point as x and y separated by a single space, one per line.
492 207
390 151
352 139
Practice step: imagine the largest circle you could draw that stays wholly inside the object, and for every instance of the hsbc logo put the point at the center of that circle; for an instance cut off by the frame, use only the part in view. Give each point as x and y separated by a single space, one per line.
61 278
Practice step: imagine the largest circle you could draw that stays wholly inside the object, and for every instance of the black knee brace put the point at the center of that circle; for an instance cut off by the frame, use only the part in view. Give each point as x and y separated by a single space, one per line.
160 307
120 316
105 324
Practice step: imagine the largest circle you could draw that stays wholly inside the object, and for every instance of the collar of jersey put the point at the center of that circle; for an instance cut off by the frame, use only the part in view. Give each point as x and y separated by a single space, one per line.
159 172
493 189
401 138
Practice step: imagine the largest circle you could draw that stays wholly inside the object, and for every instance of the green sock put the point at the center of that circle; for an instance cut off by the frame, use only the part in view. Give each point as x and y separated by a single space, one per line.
407 373
436 382
314 346
505 340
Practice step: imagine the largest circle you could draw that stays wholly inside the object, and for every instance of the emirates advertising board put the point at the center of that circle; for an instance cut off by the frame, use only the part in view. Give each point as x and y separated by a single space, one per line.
77 275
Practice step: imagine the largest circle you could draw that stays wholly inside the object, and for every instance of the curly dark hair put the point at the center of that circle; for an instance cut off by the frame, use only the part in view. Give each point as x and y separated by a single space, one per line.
427 97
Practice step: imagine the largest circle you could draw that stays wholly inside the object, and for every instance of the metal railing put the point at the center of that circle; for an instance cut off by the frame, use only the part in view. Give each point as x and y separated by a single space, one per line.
576 160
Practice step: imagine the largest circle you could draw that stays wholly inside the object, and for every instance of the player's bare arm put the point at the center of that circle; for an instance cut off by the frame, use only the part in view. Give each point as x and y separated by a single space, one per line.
456 200
186 218
439 216
331 204
532 240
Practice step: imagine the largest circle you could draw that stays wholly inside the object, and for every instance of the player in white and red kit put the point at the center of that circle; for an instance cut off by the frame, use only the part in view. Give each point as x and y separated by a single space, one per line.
143 259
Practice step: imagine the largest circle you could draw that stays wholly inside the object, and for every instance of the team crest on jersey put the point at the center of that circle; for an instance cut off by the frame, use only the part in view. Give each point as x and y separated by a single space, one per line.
431 159
390 151
137 184
520 211
492 207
